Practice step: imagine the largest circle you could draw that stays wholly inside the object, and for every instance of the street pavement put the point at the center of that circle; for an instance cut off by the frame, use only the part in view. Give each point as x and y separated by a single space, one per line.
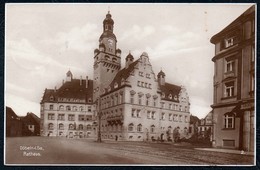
62 151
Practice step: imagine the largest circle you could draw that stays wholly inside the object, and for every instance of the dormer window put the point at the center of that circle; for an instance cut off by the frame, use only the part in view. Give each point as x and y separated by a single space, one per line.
141 73
109 89
51 98
122 81
163 95
175 97
170 96
229 42
115 85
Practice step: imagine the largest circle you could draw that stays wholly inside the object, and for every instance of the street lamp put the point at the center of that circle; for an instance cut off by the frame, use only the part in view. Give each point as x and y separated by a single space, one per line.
99 120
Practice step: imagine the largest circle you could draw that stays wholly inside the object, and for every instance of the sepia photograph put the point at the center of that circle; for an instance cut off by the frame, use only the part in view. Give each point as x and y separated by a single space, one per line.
113 84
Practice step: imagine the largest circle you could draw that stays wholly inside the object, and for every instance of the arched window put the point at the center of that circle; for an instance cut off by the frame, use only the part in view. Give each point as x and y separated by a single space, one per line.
68 108
88 127
61 126
131 127
107 57
61 107
170 96
163 95
152 129
229 120
114 59
71 126
139 128
50 126
80 127
170 129
81 108
75 108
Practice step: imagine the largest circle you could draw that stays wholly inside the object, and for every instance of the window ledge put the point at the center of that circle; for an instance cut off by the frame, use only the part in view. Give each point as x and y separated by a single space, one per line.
230 97
228 129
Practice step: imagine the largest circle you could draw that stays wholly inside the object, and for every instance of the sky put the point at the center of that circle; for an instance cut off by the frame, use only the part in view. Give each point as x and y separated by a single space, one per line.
44 41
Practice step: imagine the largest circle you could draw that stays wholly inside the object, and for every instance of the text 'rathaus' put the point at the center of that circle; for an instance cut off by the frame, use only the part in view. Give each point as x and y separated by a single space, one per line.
130 103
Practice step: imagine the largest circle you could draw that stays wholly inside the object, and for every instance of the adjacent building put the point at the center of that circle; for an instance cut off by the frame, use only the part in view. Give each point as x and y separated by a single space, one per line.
68 110
128 103
28 125
234 84
205 126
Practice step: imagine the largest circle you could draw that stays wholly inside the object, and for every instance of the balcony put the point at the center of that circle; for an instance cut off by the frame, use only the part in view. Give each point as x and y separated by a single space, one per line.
229 74
115 119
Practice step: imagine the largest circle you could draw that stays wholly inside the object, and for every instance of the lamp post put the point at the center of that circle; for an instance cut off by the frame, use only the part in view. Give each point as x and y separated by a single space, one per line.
99 120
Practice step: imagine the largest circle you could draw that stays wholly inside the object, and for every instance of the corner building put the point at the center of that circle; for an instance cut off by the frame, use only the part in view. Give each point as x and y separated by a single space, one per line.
135 103
131 103
234 84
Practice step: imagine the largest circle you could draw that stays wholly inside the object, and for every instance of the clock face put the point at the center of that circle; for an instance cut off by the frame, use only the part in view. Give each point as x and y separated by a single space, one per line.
110 42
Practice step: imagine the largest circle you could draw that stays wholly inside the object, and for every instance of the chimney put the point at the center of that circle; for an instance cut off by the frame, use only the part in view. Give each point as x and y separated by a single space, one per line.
62 82
55 89
80 81
86 82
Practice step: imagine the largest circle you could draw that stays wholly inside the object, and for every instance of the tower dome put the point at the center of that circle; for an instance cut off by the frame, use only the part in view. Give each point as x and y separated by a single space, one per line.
161 73
129 57
108 19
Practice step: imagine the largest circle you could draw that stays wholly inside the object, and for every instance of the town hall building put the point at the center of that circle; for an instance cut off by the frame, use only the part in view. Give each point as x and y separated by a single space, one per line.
126 103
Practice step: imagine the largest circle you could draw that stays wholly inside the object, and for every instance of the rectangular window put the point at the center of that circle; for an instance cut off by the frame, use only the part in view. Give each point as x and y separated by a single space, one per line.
88 117
229 121
230 42
81 118
138 83
230 143
162 116
51 116
180 118
141 73
229 89
148 115
140 100
230 66
133 113
147 102
61 117
89 108
170 106
153 115
170 117
154 102
175 107
186 118
71 117
132 99
180 108
51 107
148 75
138 113
162 104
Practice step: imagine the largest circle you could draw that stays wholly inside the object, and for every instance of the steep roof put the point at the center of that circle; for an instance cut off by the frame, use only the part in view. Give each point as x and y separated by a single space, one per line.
123 74
70 89
10 114
31 118
172 89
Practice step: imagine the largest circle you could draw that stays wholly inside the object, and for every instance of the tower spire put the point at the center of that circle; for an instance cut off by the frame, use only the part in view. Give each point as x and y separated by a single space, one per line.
108 9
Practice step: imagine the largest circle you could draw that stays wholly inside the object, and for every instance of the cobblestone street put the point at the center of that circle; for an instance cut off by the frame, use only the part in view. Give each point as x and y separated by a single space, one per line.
40 150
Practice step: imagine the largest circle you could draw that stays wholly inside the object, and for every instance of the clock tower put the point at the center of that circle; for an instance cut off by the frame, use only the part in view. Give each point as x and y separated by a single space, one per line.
107 58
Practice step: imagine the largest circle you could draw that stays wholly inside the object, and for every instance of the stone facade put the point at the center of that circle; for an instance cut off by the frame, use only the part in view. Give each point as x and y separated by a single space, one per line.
130 103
